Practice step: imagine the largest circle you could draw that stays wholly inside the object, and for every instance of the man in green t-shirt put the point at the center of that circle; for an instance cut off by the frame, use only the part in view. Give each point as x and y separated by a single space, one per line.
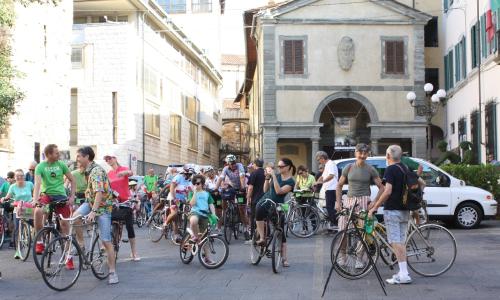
49 187
151 183
6 183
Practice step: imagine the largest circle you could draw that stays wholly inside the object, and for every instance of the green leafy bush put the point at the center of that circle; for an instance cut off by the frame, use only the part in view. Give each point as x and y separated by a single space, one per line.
486 177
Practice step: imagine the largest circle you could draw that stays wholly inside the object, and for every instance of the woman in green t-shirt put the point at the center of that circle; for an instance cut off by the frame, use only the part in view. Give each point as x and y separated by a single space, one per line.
276 186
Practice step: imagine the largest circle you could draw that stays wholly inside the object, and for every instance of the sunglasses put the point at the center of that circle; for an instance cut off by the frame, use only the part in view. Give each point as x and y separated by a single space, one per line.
198 183
281 167
32 170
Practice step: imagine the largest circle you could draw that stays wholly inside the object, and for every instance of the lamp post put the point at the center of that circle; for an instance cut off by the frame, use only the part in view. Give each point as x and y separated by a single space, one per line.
428 109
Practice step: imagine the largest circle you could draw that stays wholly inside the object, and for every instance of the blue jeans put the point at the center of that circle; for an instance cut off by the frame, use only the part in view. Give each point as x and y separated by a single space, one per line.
104 221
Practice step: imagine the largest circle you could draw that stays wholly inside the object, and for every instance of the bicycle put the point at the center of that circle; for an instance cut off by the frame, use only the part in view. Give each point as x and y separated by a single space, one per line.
140 215
233 224
157 227
117 226
54 270
207 248
50 230
304 220
274 240
422 244
25 232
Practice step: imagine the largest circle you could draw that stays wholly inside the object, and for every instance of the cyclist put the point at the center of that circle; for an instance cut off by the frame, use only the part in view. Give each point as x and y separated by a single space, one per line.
20 191
30 175
179 189
151 183
99 205
255 190
417 168
235 172
202 204
81 185
211 183
4 190
276 188
118 179
305 184
169 177
49 180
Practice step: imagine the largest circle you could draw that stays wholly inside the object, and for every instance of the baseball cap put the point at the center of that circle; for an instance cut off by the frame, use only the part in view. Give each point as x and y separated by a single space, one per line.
109 155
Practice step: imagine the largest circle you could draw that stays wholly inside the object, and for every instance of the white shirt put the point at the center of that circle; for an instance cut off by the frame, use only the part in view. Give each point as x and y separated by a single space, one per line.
210 183
330 169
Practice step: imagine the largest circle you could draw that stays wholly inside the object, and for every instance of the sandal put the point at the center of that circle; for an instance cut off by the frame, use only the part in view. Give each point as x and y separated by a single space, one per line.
285 263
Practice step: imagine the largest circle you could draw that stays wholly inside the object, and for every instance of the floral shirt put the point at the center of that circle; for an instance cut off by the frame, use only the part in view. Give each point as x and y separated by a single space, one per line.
98 182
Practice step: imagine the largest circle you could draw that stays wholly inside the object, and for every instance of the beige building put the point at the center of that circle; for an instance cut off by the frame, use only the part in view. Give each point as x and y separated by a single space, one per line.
326 74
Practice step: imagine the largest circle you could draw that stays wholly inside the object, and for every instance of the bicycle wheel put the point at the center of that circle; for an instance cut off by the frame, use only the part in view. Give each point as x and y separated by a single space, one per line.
45 235
141 217
256 251
352 261
54 271
213 252
303 221
116 238
431 250
155 231
24 239
185 249
277 251
99 260
2 231
228 225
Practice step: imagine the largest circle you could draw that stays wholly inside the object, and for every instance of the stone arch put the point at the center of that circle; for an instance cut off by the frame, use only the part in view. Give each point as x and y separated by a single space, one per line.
346 95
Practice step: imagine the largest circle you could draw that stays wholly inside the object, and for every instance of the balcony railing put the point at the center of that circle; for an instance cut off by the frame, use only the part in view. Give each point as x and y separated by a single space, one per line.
235 114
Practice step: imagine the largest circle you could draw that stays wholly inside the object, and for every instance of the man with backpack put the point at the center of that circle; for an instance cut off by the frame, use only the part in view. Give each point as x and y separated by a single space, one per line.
398 193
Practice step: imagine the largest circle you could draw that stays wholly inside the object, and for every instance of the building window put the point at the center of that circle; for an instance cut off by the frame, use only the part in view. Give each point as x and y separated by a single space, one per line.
193 136
77 57
207 141
460 61
293 55
448 70
151 82
73 118
475 130
446 5
115 117
201 6
191 107
152 116
394 58
175 129
462 130
432 76
289 150
474 43
452 128
431 33
173 6
491 129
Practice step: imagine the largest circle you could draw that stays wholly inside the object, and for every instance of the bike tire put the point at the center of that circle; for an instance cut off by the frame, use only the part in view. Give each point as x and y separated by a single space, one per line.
24 239
256 252
346 265
97 254
228 225
156 231
2 231
276 252
46 235
185 251
297 219
209 243
116 238
47 263
422 245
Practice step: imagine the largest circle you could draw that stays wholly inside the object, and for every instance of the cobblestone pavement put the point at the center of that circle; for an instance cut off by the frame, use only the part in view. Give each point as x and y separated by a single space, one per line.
161 275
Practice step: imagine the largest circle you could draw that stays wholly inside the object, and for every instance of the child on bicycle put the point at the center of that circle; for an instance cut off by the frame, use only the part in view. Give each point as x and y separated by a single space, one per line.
202 205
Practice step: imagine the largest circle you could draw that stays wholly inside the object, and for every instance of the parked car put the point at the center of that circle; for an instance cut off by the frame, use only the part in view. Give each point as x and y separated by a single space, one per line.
448 199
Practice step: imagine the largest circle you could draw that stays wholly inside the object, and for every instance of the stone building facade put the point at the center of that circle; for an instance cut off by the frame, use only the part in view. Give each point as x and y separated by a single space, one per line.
141 88
325 75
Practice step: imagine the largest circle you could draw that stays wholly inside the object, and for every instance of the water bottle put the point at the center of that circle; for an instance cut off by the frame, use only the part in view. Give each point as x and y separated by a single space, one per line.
369 224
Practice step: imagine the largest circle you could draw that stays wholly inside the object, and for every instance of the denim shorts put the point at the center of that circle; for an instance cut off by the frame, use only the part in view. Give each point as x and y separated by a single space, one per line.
104 221
396 223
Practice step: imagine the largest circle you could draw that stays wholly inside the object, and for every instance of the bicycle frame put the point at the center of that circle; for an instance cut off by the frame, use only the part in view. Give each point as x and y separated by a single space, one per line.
71 237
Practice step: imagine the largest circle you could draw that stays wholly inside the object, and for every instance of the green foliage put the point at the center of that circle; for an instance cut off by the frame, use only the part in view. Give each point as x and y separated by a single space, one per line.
450 156
482 176
442 146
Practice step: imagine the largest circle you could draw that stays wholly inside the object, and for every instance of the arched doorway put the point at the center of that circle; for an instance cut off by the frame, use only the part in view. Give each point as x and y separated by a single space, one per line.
345 123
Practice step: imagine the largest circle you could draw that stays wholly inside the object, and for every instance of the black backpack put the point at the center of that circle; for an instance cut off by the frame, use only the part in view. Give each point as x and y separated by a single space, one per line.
412 195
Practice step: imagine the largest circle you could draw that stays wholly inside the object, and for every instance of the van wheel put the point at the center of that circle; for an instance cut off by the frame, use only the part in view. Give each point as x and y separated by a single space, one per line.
468 216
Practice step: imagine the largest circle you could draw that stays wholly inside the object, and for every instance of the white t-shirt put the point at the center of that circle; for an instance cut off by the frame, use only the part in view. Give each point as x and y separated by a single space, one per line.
330 168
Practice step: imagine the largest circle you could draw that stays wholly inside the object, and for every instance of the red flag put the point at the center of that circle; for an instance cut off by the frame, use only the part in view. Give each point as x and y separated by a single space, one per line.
490 27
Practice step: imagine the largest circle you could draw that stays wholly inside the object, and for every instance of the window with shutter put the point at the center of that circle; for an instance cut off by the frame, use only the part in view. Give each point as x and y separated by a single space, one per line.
474 45
394 57
293 56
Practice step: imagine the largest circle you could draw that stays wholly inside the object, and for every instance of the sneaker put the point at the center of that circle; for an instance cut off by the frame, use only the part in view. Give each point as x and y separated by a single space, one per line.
69 264
113 278
40 247
248 242
359 264
396 279
17 255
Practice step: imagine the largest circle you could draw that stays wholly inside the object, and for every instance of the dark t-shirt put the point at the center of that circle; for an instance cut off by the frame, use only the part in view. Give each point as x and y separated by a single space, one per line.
394 175
257 179
272 192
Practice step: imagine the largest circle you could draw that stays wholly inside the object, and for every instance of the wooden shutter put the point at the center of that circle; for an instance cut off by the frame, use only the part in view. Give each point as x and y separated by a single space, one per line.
288 56
298 47
389 57
399 53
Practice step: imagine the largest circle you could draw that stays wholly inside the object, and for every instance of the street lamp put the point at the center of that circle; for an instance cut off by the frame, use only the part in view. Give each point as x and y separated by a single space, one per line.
428 109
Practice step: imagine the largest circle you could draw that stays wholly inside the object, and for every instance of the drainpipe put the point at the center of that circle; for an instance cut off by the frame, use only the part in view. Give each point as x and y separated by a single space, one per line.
143 100
480 135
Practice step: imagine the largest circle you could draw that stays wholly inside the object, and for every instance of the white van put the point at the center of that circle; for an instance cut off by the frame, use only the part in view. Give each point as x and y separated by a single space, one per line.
448 198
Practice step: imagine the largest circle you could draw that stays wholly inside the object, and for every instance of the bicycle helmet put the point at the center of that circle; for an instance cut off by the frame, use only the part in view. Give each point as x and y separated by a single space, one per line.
209 169
230 158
